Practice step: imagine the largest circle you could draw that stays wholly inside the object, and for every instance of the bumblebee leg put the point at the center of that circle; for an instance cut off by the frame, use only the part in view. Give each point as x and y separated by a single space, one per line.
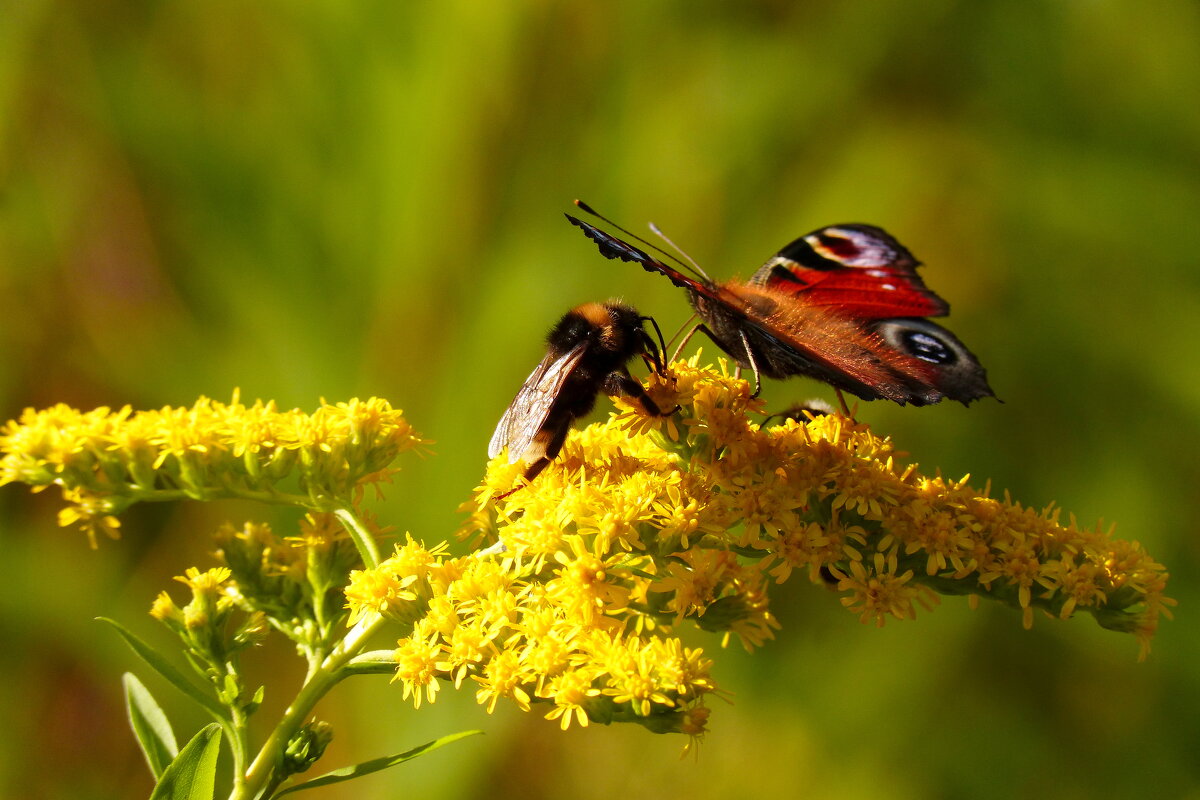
535 469
622 384
532 471
656 352
553 434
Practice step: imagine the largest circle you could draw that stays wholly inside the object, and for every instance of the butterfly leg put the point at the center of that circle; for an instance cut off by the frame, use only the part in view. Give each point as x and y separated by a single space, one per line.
747 352
842 403
753 363
686 338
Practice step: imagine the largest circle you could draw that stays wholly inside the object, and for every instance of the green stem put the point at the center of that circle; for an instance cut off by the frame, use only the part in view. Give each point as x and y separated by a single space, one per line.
237 735
263 772
363 539
167 495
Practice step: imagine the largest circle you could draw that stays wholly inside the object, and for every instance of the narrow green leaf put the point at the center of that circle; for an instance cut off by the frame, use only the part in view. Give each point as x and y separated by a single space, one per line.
165 669
193 773
367 767
150 725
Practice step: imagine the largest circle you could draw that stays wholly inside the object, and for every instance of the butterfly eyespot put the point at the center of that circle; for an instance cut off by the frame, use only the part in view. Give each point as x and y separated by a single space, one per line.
927 348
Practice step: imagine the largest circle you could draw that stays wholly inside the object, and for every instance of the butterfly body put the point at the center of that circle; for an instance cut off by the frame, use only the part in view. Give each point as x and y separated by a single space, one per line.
843 305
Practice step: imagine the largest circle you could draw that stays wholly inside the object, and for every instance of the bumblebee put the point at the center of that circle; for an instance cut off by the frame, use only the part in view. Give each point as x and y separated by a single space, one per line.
586 353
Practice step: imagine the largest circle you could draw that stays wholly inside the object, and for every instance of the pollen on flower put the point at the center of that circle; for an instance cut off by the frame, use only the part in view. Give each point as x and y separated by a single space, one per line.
382 591
164 609
503 676
417 669
877 591
209 581
571 693
91 513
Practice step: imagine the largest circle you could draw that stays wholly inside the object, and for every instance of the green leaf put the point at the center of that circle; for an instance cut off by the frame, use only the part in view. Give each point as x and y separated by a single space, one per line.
367 767
193 773
165 669
150 725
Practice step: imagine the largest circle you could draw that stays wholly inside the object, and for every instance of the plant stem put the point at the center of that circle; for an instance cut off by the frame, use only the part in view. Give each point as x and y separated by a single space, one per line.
363 539
263 772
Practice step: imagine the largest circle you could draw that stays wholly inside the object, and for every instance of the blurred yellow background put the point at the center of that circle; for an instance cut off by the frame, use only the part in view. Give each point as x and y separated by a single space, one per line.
329 199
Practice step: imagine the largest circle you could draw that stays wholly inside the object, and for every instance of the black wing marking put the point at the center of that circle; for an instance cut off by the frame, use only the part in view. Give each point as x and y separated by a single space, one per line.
529 409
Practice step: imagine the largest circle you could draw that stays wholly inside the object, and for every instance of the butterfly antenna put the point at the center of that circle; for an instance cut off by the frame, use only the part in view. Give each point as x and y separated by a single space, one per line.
699 271
689 267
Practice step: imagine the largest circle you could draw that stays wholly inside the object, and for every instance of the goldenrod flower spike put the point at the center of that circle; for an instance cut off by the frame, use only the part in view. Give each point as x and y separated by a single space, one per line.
106 460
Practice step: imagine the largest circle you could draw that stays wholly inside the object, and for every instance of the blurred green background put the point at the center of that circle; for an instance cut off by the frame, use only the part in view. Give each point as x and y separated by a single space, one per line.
329 199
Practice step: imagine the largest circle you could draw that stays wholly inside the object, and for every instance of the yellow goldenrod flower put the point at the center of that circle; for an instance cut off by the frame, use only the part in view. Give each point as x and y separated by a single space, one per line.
503 676
571 693
106 460
382 591
682 521
201 624
417 669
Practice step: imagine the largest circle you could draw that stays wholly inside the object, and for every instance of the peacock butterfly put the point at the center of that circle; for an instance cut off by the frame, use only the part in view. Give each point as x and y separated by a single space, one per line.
843 305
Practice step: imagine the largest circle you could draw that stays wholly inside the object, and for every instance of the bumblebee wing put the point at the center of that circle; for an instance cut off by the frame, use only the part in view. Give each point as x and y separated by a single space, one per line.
527 413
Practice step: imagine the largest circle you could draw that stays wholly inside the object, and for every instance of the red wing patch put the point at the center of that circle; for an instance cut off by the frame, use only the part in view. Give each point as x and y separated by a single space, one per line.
859 269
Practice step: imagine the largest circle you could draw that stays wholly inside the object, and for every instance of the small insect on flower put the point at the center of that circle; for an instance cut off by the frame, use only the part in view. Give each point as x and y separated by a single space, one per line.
801 412
587 352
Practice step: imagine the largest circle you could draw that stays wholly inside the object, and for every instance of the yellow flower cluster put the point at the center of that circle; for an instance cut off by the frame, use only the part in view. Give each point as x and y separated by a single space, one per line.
297 581
202 623
106 460
497 621
645 521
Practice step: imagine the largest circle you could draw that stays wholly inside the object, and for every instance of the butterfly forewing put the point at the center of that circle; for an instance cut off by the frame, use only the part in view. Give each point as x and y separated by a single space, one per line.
612 247
859 268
